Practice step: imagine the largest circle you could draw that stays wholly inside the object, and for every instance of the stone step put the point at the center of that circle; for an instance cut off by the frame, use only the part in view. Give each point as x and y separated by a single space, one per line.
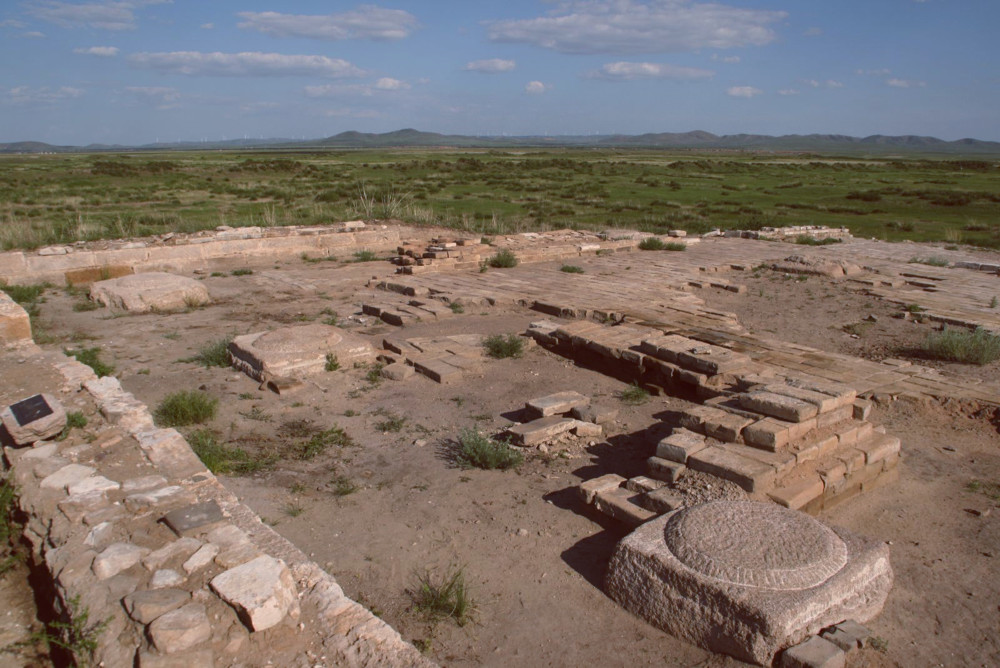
780 406
622 504
749 473
541 430
679 445
558 403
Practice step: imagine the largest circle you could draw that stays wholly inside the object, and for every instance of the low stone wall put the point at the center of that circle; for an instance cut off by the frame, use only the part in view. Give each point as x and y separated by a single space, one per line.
180 252
135 533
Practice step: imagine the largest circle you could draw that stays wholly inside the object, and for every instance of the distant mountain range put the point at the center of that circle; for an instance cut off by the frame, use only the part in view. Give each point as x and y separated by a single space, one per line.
698 140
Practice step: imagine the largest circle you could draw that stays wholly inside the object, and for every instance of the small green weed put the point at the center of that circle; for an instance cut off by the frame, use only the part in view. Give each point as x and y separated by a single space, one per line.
633 395
24 294
74 420
933 261
501 346
184 408
990 489
77 636
994 302
504 259
343 486
374 374
474 450
257 414
857 328
392 423
571 269
245 396
294 509
878 643
960 345
216 274
86 306
215 353
445 598
323 440
806 240
92 358
914 308
674 246
456 307
365 256
652 244
223 460
242 272
331 362
173 336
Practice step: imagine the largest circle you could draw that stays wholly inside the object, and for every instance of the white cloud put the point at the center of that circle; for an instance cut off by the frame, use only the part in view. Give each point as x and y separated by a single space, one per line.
830 83
877 72
725 59
207 26
744 91
813 32
624 71
385 84
107 15
904 83
536 87
12 23
631 26
34 34
247 64
491 66
103 51
788 91
44 95
159 96
365 22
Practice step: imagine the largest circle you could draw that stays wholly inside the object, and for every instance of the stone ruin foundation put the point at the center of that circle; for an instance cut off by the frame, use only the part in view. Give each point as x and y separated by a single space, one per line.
297 351
153 291
747 578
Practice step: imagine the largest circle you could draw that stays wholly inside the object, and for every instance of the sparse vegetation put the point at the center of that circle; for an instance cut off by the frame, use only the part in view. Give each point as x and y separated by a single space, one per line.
633 395
343 486
332 364
215 353
87 305
447 598
674 246
964 346
806 240
392 423
242 272
365 256
74 420
988 489
474 450
77 636
652 244
456 307
322 440
878 643
933 261
257 414
504 259
994 301
185 408
92 358
223 460
500 346
571 269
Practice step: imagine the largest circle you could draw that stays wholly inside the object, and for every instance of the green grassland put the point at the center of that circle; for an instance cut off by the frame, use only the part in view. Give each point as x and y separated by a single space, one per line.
47 199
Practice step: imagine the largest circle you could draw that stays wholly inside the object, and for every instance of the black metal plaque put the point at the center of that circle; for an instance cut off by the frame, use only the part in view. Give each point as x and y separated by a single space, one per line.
30 409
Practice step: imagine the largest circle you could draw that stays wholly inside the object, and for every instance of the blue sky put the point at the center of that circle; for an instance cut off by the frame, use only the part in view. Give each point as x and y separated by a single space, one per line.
139 71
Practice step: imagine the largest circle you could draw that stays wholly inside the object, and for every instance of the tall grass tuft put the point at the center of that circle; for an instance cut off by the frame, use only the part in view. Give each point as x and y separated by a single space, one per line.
184 408
960 345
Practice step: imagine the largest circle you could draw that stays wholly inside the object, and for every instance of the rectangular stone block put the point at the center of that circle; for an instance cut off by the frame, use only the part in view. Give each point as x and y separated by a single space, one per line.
778 405
541 430
831 418
640 484
15 326
665 469
861 408
680 445
662 500
879 447
813 653
768 434
438 370
621 504
751 475
726 427
797 494
559 403
695 418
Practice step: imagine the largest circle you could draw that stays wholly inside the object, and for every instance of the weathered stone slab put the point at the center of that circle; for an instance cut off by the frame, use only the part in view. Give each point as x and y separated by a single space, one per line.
796 495
541 430
296 351
438 370
726 427
261 591
201 658
596 413
559 403
34 419
769 434
746 578
680 445
750 474
145 606
181 629
622 504
66 476
665 469
116 558
191 519
813 653
662 500
778 405
589 488
824 402
15 326
151 291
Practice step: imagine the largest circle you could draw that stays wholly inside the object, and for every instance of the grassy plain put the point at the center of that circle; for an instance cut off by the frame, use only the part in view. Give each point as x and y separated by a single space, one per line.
47 199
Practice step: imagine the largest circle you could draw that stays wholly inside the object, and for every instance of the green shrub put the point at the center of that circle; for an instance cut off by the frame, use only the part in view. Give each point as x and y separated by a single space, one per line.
806 240
391 423
183 408
365 256
474 450
933 261
675 246
504 259
571 269
242 272
215 353
500 346
634 395
651 243
332 364
24 294
92 358
342 486
456 307
961 345
447 598
86 306
224 460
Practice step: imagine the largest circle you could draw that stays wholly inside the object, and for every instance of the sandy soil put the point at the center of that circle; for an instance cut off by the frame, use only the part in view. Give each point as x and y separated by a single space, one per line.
532 555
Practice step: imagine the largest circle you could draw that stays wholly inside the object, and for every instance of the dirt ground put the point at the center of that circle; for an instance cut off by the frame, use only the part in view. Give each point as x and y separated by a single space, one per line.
533 556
